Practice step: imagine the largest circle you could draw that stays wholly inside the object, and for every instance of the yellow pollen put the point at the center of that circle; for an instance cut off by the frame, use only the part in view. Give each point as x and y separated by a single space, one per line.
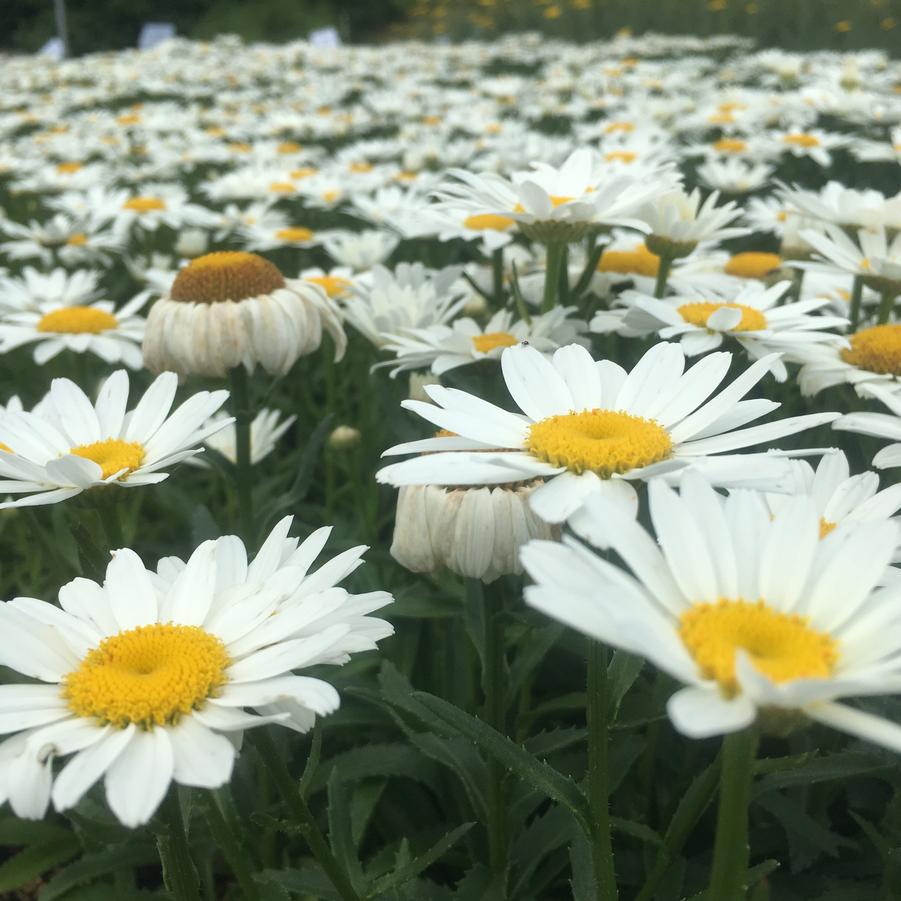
605 442
68 168
639 261
614 127
79 239
876 349
226 275
129 119
621 156
287 147
781 646
6 448
826 527
488 222
492 340
752 265
800 139
144 204
77 320
333 285
303 172
752 320
281 187
112 455
730 145
150 676
294 234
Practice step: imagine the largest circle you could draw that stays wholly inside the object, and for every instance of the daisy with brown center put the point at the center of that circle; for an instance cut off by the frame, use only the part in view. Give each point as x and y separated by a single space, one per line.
151 677
234 309
98 328
589 427
748 610
68 444
753 318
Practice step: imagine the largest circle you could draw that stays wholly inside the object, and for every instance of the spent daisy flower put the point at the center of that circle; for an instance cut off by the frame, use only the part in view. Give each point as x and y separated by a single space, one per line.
753 318
441 348
151 677
232 309
98 328
590 427
748 610
69 444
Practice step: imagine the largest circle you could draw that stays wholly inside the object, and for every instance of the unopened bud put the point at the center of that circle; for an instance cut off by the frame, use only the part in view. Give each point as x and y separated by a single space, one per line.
343 436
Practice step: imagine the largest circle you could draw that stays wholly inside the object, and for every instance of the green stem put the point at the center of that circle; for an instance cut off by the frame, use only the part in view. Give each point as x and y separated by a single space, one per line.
108 510
231 847
497 270
728 874
598 713
179 873
886 306
556 256
494 689
856 299
302 815
240 396
666 263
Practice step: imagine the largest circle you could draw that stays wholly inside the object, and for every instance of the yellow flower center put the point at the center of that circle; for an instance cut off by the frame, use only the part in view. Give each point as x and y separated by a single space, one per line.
488 222
287 147
614 127
361 167
801 139
129 119
491 340
240 147
639 261
621 156
144 204
752 265
730 145
281 187
112 455
781 646
303 172
226 275
295 233
826 527
876 349
68 168
150 676
721 119
331 196
605 442
6 448
79 239
752 320
333 285
77 320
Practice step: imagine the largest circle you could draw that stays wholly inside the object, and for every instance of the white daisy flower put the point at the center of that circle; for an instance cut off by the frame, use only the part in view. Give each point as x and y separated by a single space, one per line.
441 348
749 611
265 430
879 425
875 256
841 498
754 318
412 296
98 328
734 176
590 427
147 679
70 240
33 289
360 251
71 445
813 143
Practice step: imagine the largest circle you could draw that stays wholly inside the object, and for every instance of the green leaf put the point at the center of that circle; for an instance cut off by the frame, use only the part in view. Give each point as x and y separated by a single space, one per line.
583 882
308 881
362 807
340 827
534 772
843 765
99 864
35 860
17 833
636 830
622 673
414 867
539 642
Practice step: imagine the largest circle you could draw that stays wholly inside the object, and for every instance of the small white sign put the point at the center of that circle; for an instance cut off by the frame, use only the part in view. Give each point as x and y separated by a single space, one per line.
155 33
53 49
327 38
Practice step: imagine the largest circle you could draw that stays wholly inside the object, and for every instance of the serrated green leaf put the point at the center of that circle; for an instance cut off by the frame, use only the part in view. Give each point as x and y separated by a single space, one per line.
341 829
843 765
412 868
35 860
310 881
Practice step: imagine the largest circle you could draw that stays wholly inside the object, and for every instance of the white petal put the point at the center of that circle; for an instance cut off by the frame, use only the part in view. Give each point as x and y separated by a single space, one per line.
201 757
704 712
137 780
